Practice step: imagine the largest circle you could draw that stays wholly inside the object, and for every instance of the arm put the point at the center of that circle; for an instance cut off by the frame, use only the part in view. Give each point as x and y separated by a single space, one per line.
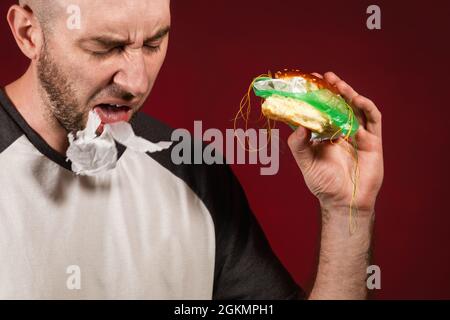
328 170
344 258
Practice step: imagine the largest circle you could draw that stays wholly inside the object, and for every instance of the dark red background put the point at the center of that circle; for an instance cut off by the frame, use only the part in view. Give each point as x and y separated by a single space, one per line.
218 46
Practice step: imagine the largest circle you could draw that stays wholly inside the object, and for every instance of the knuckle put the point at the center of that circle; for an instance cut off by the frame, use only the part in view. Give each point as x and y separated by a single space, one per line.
373 143
368 101
357 100
378 114
341 84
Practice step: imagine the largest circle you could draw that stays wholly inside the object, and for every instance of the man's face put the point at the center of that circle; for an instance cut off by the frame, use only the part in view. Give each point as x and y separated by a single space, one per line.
113 59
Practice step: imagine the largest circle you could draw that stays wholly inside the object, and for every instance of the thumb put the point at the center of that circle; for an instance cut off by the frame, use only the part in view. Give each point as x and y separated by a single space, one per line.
301 147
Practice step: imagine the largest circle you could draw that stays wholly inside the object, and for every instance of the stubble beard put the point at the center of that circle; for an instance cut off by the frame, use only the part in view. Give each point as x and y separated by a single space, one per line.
58 94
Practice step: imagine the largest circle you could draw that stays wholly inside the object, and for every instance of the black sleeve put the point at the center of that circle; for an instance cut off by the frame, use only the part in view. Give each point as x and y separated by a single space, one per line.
245 265
9 130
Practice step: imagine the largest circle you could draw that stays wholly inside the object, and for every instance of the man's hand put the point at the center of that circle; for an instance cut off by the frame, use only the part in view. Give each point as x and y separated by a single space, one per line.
328 167
328 170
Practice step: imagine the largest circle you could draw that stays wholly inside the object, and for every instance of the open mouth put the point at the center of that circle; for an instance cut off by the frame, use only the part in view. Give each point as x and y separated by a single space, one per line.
110 113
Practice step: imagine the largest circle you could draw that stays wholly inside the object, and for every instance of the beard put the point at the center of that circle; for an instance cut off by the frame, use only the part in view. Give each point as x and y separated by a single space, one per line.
60 94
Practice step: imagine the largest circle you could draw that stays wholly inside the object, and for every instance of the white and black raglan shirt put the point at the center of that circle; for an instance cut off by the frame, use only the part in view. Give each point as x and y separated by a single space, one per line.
148 229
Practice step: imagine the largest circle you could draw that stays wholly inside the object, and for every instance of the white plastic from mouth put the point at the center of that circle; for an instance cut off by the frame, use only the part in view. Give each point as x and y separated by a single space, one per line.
91 154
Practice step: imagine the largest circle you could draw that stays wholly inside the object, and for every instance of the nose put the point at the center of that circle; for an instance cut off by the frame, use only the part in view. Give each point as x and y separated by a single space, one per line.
132 76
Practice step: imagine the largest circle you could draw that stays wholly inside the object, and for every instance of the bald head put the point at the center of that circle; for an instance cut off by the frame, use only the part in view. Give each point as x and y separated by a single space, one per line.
36 3
44 10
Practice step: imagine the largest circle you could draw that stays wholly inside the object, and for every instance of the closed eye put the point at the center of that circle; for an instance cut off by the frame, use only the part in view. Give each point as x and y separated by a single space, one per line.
119 49
152 48
108 52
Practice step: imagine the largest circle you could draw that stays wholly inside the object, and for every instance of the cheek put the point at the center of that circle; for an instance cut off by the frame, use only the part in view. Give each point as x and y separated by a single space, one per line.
89 82
86 83
82 83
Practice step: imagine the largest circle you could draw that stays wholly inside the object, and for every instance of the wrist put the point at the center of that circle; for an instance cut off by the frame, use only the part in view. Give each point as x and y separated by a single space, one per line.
338 209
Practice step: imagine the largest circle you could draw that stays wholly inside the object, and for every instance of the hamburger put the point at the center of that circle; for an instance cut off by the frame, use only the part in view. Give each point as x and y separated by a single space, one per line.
302 99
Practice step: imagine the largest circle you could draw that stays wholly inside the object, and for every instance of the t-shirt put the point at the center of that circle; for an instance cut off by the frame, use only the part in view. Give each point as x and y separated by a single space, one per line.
147 229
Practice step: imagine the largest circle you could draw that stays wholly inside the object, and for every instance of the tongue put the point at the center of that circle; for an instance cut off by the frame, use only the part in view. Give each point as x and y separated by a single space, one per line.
112 114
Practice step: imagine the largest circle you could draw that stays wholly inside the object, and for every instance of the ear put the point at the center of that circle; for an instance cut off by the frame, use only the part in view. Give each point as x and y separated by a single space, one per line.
26 30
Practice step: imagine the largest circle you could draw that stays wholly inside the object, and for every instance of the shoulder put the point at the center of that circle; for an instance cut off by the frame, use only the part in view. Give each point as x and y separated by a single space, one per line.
9 130
150 128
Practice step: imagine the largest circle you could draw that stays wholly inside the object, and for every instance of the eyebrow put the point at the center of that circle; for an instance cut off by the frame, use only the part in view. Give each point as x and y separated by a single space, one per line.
107 41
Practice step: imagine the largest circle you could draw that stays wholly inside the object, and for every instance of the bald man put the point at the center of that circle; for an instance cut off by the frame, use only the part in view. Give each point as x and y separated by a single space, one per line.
149 229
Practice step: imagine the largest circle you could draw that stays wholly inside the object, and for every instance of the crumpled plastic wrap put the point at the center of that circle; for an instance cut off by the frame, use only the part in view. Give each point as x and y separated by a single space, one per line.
294 85
91 154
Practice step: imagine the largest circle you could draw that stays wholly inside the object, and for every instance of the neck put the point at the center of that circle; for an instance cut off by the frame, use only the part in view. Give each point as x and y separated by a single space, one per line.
25 95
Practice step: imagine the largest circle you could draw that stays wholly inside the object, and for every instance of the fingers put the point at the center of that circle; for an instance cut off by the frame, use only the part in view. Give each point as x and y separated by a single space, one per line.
373 115
331 77
347 92
344 89
367 141
301 148
359 103
365 110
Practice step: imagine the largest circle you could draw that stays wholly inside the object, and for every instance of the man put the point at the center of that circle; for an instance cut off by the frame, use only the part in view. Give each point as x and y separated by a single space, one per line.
149 228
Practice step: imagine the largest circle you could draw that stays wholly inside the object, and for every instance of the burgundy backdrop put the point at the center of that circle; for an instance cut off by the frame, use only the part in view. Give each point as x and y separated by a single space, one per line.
218 46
